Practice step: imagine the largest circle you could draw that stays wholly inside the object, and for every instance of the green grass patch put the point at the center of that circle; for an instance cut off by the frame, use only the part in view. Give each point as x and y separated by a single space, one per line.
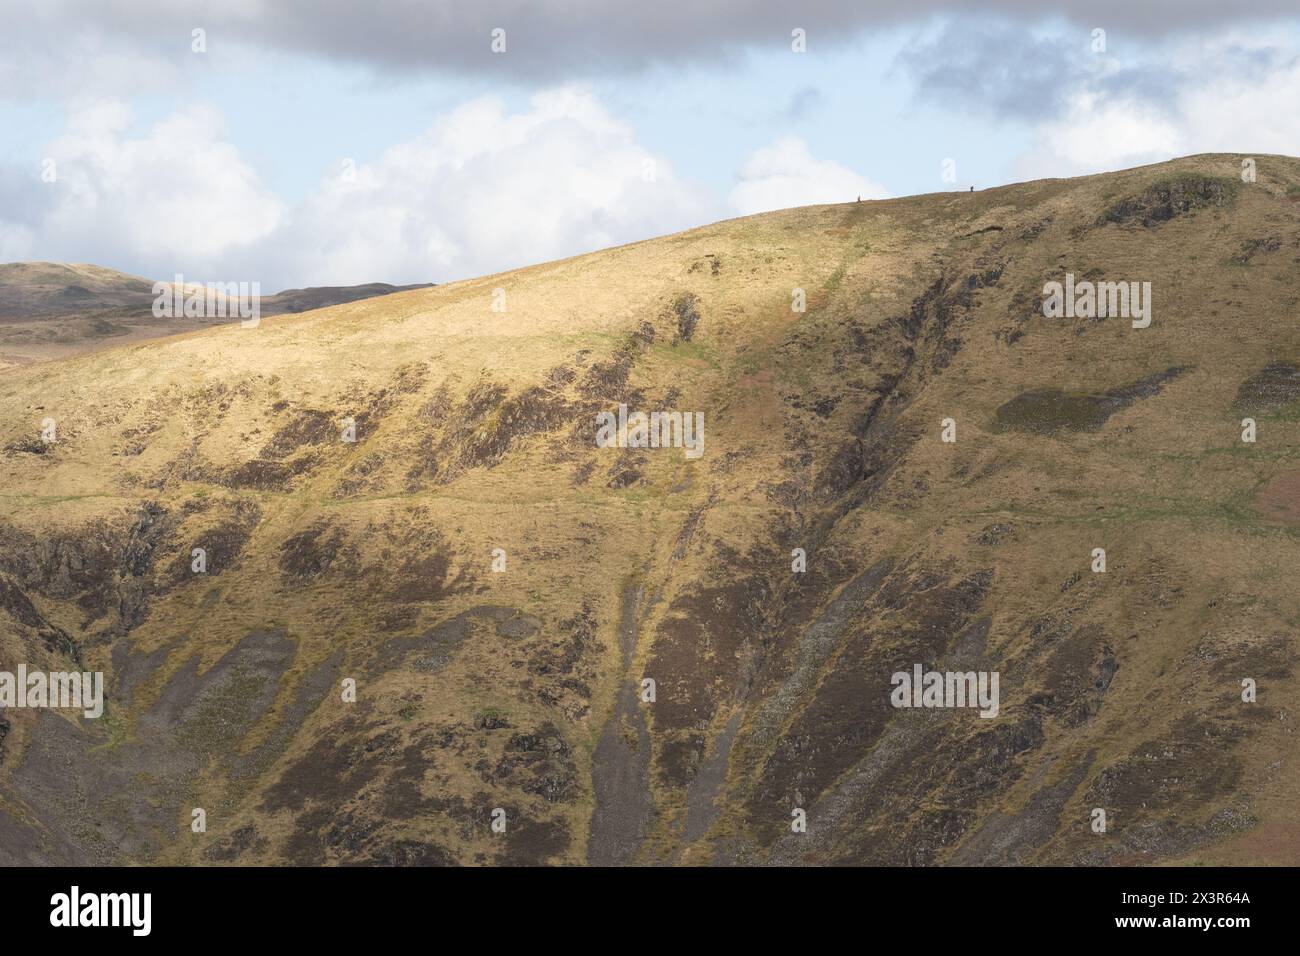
695 350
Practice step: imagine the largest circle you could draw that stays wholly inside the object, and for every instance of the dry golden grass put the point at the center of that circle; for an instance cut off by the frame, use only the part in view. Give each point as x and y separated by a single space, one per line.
445 470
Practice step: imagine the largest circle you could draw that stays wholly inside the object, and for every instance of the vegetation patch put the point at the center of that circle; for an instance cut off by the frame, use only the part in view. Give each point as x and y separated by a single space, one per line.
1273 387
1046 411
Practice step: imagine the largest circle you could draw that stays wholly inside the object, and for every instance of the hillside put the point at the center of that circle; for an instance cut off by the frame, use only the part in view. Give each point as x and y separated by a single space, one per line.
320 297
29 289
50 310
521 690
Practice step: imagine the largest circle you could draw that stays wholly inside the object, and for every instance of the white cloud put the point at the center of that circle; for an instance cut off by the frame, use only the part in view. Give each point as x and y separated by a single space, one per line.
786 174
484 190
1229 103
1097 135
16 243
176 195
480 191
1226 115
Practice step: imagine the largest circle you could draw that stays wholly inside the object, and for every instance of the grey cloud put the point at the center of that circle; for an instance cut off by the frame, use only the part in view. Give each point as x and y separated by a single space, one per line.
25 200
996 67
546 41
804 102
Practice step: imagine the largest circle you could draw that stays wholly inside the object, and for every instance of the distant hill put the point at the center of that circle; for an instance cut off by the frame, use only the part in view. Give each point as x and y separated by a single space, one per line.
647 655
30 289
54 310
320 297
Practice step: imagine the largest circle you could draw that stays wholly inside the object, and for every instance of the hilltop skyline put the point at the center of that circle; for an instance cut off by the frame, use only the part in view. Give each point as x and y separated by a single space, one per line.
294 150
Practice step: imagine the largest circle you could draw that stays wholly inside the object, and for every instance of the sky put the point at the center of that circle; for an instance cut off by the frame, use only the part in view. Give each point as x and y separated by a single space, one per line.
318 142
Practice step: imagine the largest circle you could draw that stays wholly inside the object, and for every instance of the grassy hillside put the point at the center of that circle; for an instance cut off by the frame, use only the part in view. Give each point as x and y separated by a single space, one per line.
521 690
51 311
49 288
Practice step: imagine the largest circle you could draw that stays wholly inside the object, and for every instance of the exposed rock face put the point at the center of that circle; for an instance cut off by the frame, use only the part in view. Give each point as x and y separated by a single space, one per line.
1172 196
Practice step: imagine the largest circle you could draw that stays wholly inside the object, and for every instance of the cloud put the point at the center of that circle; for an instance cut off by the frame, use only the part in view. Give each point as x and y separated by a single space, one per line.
1229 113
547 40
786 174
1230 104
177 191
1095 135
803 103
484 190
481 190
60 49
1000 68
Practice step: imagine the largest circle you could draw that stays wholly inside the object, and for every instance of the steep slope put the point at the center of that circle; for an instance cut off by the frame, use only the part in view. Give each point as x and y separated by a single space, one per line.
499 587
